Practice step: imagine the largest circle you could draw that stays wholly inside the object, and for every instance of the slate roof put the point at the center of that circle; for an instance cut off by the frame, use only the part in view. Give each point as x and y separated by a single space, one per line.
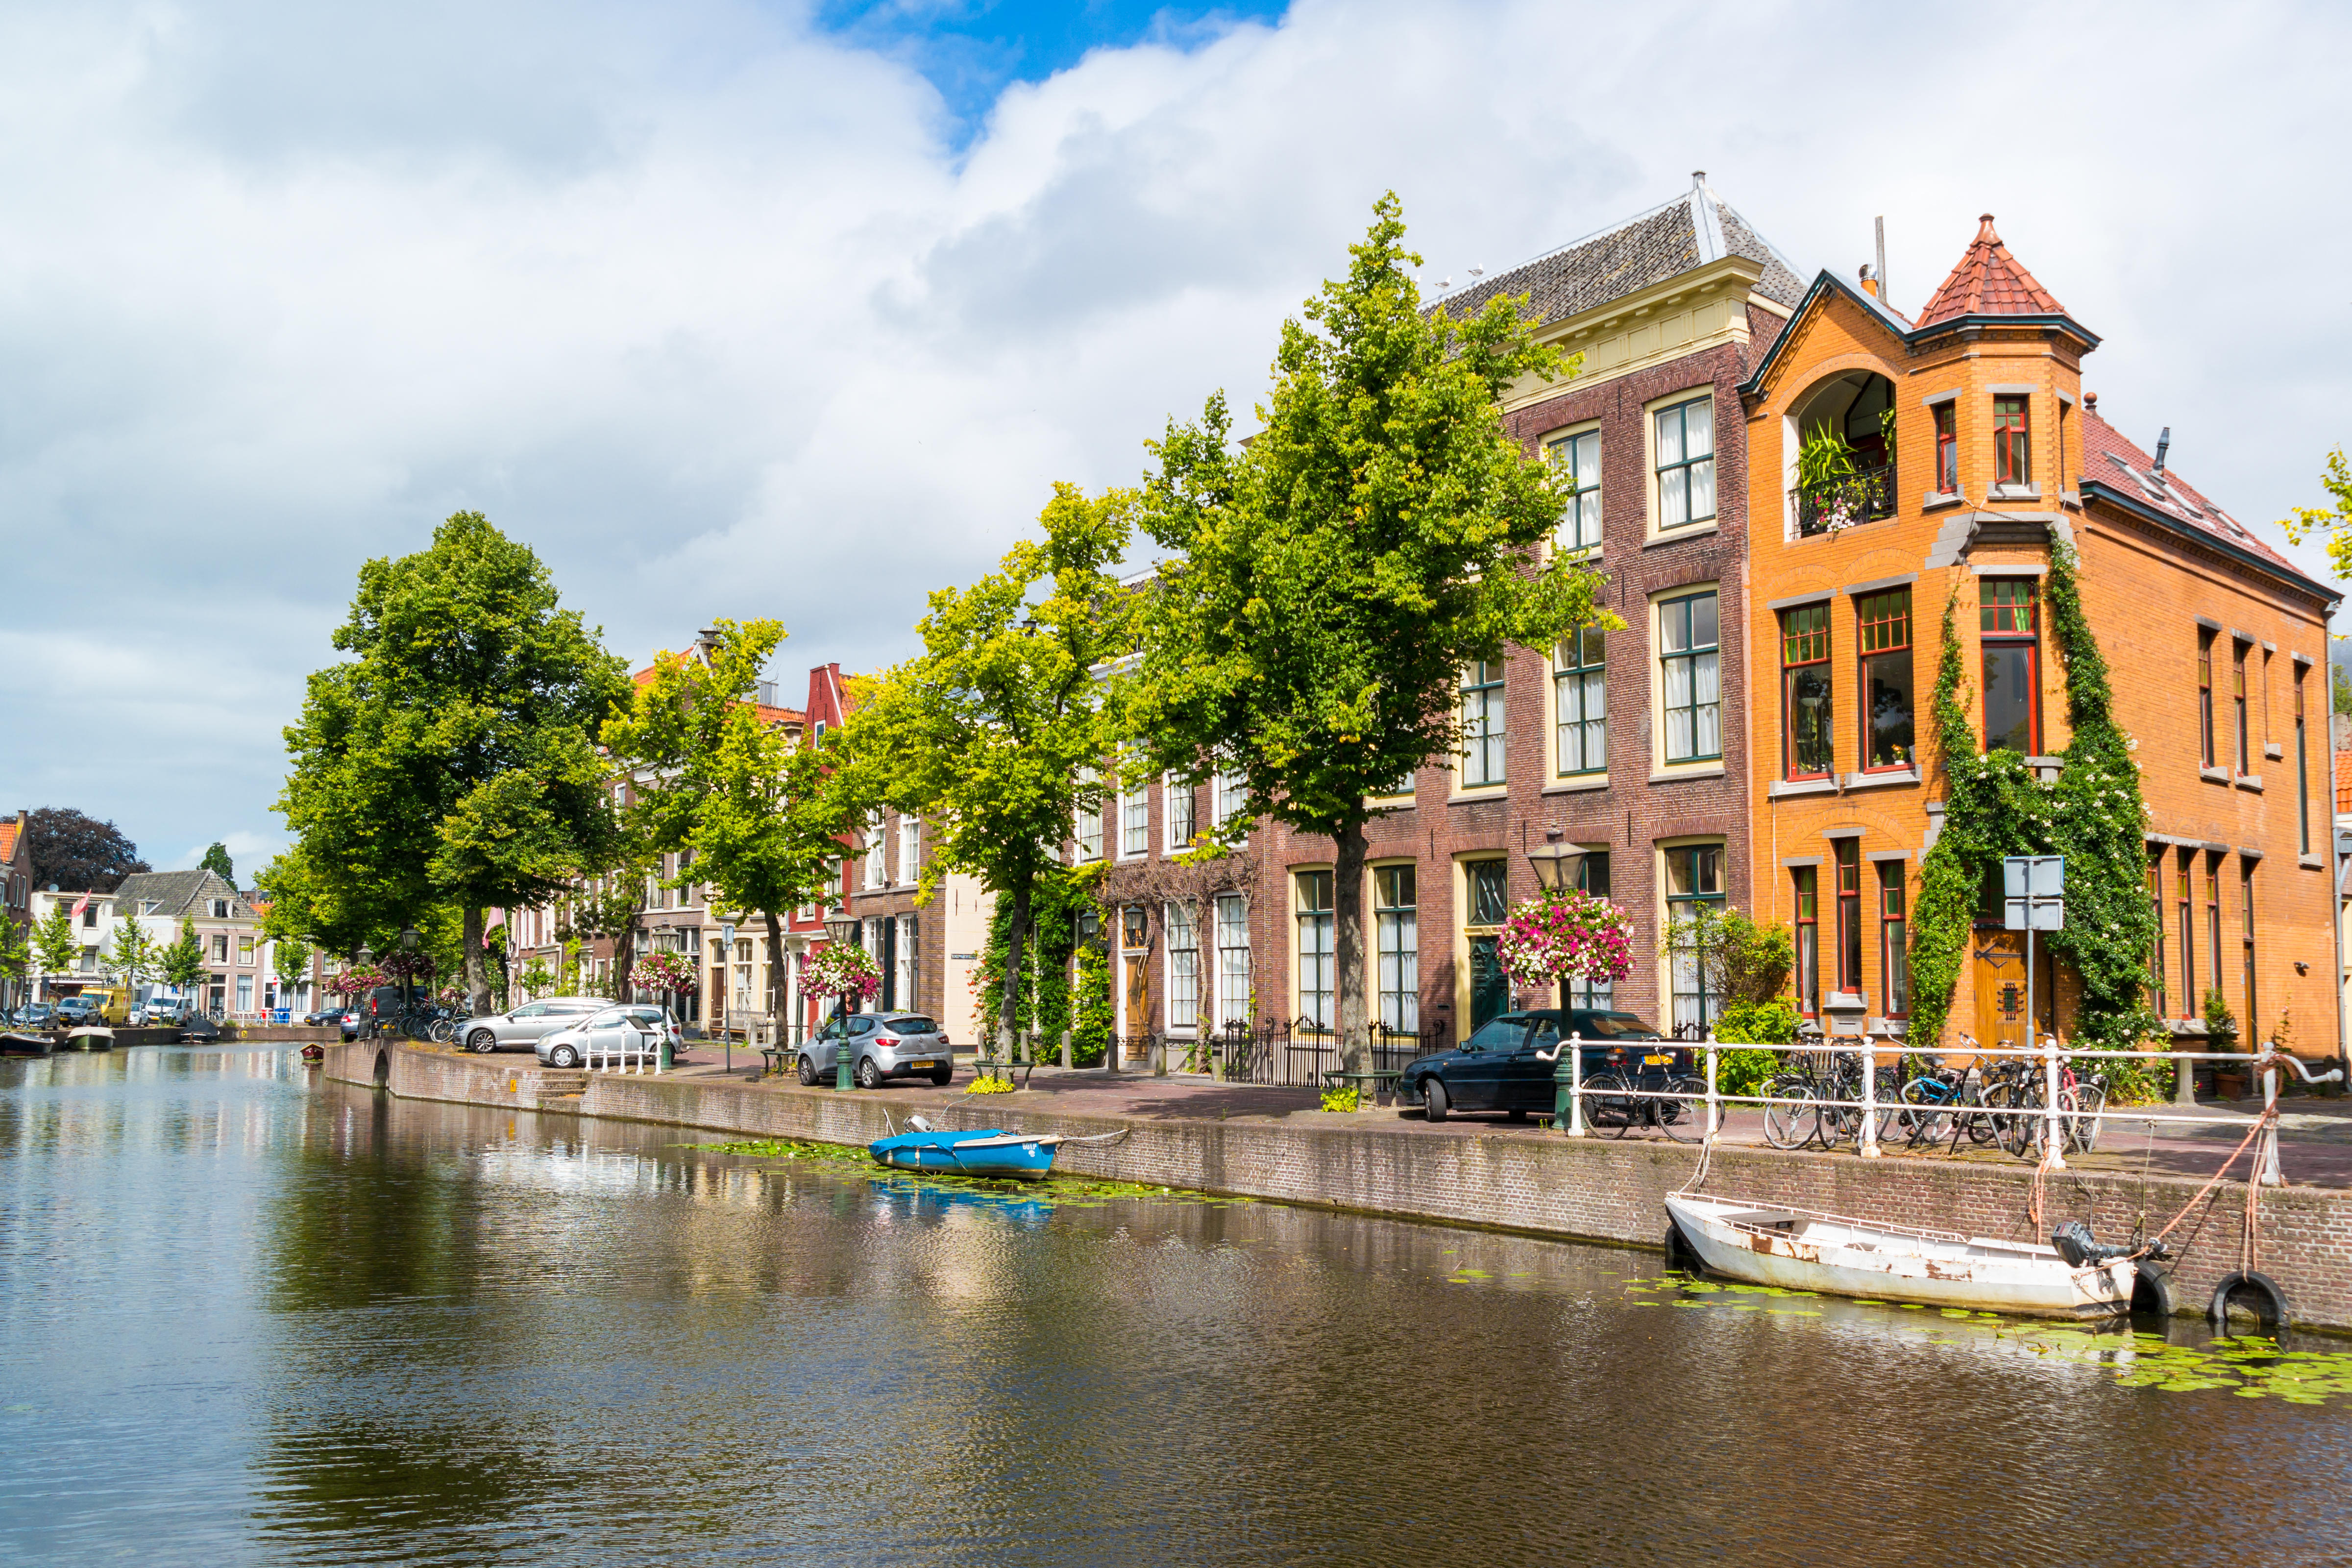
1690 231
1988 281
2110 458
178 893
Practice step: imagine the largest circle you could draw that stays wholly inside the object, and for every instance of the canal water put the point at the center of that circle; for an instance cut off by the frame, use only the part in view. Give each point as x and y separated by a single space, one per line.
252 1318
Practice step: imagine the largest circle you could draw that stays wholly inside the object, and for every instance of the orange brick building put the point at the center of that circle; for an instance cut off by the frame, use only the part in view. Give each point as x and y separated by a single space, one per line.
1968 447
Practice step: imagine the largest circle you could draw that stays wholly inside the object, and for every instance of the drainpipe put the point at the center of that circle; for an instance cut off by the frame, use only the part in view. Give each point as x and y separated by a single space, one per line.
2335 870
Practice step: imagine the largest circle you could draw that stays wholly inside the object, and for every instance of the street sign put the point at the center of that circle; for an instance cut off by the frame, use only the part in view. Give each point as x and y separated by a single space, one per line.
2033 889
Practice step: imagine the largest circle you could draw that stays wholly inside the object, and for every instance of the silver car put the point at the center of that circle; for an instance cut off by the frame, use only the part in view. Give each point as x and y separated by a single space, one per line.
525 1024
884 1045
634 1027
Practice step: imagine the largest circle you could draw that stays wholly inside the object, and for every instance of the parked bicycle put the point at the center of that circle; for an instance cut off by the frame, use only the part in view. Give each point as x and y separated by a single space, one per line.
1624 1094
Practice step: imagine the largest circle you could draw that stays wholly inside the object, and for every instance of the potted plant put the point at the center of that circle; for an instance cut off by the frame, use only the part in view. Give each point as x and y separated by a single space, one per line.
2230 1079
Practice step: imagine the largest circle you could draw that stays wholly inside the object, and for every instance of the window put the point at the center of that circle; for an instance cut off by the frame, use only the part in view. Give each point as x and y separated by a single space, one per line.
1578 458
1488 884
90 918
2013 667
220 909
1088 831
2205 696
1134 821
1593 877
1580 688
1396 948
220 949
877 855
2186 872
1948 449
1685 463
1183 931
2251 1029
1694 886
1182 810
245 949
1314 916
1805 690
742 973
910 850
2156 908
1482 723
1232 958
2238 651
905 989
1894 940
1806 885
1233 796
245 993
1689 664
1886 636
2301 771
1849 916
2214 920
2011 453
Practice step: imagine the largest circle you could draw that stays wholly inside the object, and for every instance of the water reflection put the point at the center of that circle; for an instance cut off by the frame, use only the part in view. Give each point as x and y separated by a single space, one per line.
256 1319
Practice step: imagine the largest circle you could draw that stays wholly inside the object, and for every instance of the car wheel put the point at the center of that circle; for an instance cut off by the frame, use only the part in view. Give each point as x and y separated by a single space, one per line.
944 1076
1516 1114
1432 1099
563 1056
868 1075
808 1072
482 1041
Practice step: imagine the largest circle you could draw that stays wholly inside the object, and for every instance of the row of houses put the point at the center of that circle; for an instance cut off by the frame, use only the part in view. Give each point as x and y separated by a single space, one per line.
241 978
1751 738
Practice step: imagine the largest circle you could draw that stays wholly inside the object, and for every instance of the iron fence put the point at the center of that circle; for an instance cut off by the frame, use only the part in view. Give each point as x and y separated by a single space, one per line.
1839 504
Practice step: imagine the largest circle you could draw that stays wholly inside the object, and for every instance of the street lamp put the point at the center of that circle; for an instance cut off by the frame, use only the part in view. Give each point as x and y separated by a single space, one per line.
407 970
1558 867
842 931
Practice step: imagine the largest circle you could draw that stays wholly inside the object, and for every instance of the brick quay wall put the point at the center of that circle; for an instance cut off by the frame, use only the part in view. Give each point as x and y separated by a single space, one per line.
1572 1189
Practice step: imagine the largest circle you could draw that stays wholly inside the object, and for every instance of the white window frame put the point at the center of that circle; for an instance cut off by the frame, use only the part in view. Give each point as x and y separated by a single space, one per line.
1396 952
1180 921
1232 936
877 853
1231 797
1314 949
904 986
910 850
1134 820
1180 813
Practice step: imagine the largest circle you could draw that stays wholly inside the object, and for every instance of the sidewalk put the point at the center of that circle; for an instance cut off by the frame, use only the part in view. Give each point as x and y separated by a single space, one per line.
2314 1135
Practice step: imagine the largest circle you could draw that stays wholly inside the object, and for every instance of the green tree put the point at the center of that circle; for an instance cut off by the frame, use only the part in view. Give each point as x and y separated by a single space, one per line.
451 757
132 954
16 957
1331 577
2342 684
217 862
753 805
183 963
995 735
2332 521
292 962
53 941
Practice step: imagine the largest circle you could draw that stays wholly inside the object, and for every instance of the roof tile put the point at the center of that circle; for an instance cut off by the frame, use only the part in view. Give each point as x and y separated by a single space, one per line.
1988 281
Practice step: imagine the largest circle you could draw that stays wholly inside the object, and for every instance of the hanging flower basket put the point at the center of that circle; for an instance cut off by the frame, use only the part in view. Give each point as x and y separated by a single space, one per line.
661 971
1566 936
839 970
353 982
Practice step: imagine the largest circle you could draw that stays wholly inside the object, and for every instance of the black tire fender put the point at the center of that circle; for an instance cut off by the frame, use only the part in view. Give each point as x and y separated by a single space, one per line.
2270 1310
1680 1253
2152 1291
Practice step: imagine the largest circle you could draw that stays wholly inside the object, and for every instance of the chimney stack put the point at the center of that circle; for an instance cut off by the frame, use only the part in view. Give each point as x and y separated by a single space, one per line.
2090 403
2162 442
1869 283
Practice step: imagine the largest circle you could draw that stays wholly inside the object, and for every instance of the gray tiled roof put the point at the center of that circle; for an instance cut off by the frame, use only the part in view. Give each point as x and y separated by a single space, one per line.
1690 231
177 893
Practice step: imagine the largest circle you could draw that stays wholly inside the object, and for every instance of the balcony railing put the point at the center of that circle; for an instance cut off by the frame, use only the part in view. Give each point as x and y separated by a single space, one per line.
1834 505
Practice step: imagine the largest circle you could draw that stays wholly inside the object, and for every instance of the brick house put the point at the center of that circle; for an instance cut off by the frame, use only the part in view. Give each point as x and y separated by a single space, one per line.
1625 746
1977 450
17 897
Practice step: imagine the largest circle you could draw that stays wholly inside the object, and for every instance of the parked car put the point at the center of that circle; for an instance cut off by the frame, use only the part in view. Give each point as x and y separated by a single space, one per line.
333 1015
525 1024
160 1012
349 1021
73 1012
884 1045
1499 1067
615 1028
36 1015
197 1029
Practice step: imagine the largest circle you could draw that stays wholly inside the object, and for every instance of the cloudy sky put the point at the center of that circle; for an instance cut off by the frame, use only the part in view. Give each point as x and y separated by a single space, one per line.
741 308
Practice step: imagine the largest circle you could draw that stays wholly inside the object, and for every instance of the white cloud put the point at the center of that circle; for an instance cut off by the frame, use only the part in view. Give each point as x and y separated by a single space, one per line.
700 303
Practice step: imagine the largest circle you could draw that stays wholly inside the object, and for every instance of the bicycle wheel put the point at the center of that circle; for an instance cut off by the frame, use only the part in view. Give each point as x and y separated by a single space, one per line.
2083 1130
445 1030
1684 1120
1608 1108
1925 1118
1790 1119
2021 1138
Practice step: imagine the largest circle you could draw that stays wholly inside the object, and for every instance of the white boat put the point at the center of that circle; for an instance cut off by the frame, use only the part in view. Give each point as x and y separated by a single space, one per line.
1801 1250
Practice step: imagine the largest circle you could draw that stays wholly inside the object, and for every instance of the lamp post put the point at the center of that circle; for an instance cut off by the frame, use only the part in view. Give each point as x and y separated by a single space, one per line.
363 958
1557 866
407 969
842 931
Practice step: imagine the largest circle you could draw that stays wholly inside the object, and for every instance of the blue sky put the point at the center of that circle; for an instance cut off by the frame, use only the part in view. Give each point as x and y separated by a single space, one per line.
793 309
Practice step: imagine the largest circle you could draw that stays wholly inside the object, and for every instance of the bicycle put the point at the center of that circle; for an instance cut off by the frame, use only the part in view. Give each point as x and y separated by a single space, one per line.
1625 1093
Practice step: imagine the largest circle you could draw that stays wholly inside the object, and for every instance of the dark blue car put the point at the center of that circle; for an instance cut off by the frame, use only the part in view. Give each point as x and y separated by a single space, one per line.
1502 1066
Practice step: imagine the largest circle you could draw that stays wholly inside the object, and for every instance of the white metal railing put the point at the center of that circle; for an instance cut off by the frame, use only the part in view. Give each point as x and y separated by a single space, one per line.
644 1055
2270 1062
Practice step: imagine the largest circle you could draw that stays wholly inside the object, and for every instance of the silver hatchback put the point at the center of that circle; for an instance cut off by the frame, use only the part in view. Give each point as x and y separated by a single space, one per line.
883 1045
521 1027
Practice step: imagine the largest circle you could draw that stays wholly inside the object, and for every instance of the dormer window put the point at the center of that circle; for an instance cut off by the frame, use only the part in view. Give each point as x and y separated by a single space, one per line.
220 909
2013 454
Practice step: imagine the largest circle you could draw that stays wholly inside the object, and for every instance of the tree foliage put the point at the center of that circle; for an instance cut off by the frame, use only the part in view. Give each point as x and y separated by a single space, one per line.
16 951
2332 521
78 853
1329 578
182 964
133 953
995 734
452 756
217 862
53 940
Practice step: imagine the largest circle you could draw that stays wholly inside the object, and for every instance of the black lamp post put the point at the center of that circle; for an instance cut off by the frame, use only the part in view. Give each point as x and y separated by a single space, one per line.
362 959
842 931
1557 866
408 968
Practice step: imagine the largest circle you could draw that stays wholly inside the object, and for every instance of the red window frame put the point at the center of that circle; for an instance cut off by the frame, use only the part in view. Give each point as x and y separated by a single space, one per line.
1894 940
2185 879
2205 696
2013 448
1849 916
2213 912
1807 883
1948 448
1805 650
2010 614
2156 992
1883 627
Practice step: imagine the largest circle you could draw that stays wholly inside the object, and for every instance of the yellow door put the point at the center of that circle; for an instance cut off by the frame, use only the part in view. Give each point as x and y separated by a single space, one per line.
2000 988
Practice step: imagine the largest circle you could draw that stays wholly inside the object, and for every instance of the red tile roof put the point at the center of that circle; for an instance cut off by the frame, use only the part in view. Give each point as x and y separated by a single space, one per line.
7 840
2113 460
1988 281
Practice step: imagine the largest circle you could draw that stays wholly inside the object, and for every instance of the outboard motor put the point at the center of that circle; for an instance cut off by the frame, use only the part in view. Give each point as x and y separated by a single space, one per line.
2074 1243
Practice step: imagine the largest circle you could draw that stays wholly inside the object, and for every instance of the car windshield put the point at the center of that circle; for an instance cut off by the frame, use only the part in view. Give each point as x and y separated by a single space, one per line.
1614 1027
1498 1034
913 1024
606 1020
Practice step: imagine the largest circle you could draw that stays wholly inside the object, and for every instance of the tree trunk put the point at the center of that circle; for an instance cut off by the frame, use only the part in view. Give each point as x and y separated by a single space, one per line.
1017 931
1354 1021
776 977
477 982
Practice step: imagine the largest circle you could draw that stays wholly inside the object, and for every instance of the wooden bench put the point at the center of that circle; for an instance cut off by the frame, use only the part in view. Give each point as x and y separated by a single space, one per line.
773 1057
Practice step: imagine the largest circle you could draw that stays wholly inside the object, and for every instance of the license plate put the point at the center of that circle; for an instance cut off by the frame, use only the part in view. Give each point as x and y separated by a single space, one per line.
1656 1061
922 1064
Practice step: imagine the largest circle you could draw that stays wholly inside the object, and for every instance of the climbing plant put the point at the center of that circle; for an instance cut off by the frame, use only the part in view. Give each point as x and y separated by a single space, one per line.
1051 998
2092 814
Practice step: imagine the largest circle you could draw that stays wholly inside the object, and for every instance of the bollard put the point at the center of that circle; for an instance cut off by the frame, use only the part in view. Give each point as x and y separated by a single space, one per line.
1713 1108
2184 1080
1158 1056
1867 1142
2267 1172
1568 1101
2051 1130
1065 1050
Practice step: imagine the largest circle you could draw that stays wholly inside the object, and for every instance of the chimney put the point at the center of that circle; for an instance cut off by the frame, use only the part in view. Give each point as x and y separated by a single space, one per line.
706 642
1869 283
2090 403
2162 442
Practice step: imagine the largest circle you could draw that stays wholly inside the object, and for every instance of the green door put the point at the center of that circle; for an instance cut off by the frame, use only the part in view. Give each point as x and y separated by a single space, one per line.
1490 988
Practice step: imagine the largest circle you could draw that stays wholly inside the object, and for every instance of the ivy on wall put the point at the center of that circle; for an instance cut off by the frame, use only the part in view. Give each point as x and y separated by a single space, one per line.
1052 999
2092 814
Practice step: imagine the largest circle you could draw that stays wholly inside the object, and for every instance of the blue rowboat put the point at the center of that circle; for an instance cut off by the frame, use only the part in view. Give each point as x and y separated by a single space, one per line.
989 1152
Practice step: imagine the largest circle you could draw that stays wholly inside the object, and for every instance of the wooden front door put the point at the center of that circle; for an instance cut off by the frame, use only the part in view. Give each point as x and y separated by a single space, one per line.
2000 988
